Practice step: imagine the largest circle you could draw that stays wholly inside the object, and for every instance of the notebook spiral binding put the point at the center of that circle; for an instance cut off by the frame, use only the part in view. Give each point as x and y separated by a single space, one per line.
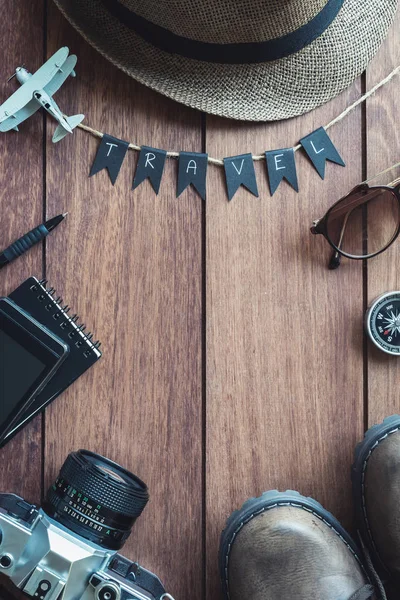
63 312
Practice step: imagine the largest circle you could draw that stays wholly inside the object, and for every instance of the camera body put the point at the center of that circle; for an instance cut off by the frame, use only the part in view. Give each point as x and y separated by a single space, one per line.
49 560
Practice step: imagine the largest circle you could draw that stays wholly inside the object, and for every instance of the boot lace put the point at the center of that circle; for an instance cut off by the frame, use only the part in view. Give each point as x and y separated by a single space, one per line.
369 591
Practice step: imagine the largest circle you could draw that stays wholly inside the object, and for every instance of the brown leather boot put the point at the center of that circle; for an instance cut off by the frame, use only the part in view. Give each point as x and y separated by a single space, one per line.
376 488
283 546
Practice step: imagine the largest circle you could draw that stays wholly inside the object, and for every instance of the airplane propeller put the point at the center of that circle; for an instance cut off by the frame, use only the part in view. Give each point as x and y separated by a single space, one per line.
15 74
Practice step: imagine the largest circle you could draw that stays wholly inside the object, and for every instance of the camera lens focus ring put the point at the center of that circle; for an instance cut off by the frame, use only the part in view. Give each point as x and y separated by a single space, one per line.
96 498
98 481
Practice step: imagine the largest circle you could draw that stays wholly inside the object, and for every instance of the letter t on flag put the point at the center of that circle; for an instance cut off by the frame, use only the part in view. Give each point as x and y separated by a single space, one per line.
239 170
192 170
150 165
110 156
319 148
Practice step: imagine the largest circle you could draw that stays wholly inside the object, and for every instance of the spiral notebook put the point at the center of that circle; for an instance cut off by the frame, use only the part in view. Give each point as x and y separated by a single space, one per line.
40 302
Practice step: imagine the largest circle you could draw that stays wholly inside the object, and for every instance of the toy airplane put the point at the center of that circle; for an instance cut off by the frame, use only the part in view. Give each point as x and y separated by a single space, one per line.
36 91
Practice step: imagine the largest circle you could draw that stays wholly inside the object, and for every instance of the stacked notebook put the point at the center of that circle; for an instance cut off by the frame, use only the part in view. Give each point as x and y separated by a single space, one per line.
34 298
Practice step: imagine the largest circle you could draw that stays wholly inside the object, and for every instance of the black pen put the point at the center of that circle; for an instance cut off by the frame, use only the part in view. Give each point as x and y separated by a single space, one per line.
29 239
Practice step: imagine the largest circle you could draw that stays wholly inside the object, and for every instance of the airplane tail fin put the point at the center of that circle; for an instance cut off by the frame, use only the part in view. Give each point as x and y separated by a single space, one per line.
73 122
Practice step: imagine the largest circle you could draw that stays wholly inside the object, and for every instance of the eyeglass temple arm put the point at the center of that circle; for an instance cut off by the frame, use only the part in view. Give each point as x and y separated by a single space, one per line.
336 257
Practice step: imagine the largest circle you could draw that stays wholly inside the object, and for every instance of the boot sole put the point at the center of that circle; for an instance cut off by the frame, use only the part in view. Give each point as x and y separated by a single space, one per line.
268 500
363 451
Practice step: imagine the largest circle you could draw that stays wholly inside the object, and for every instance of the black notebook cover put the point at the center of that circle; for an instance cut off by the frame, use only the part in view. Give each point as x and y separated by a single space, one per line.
33 297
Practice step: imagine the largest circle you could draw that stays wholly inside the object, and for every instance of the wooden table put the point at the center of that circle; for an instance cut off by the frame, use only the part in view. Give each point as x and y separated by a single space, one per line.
234 361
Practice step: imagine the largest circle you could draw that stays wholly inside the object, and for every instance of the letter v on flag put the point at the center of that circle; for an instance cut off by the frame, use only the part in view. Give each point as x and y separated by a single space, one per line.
239 170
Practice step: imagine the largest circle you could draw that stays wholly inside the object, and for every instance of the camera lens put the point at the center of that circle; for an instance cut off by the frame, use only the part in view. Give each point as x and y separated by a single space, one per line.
97 499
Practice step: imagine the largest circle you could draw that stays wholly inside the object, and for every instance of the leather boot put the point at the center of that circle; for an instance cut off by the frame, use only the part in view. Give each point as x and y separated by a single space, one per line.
376 488
283 546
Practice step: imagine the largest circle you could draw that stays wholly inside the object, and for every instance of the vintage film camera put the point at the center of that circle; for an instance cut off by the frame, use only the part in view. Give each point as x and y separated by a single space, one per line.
67 550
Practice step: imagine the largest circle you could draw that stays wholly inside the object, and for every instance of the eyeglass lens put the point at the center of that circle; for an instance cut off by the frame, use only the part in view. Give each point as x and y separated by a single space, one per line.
364 222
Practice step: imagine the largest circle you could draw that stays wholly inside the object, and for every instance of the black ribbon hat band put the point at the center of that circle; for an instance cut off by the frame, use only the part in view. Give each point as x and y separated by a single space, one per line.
240 53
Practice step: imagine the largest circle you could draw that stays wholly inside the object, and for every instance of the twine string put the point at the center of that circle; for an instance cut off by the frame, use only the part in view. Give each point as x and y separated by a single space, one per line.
342 115
392 183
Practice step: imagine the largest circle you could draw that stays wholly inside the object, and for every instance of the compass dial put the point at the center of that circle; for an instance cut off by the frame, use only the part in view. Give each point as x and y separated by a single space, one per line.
383 322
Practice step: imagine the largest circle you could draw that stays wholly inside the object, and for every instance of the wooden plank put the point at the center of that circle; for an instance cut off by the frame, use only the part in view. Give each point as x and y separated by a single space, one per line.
130 263
21 208
284 354
383 272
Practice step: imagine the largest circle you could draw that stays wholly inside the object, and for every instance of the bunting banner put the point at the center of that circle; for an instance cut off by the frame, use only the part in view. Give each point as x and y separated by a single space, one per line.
192 170
319 149
110 156
150 166
239 170
281 165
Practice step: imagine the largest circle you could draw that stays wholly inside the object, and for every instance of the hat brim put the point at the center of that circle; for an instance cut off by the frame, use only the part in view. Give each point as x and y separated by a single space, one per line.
269 91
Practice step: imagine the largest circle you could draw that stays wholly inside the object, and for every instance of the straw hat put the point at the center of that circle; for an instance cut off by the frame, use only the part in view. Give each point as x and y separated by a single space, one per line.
256 60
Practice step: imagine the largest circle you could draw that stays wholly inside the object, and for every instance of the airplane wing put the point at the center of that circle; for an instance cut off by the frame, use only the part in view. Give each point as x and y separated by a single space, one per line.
20 116
39 80
61 75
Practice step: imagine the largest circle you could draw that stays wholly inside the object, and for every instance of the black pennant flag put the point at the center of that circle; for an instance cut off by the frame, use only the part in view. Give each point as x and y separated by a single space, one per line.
192 170
319 148
239 170
110 156
150 165
281 165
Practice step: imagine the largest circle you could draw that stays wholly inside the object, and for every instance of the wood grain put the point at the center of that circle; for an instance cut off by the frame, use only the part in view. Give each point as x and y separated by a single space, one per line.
130 263
284 349
383 272
21 200
283 353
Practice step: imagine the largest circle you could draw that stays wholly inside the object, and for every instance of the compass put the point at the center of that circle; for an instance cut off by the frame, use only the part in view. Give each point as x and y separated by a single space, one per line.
382 322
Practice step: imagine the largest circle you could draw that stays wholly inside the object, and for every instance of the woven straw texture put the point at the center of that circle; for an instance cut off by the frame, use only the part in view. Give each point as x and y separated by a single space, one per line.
228 21
261 92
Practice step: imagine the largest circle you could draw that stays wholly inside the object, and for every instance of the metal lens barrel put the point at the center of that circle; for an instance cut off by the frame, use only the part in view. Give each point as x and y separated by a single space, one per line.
97 499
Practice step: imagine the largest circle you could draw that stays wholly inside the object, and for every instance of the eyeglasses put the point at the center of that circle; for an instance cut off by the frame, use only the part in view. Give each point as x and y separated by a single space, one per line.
362 224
